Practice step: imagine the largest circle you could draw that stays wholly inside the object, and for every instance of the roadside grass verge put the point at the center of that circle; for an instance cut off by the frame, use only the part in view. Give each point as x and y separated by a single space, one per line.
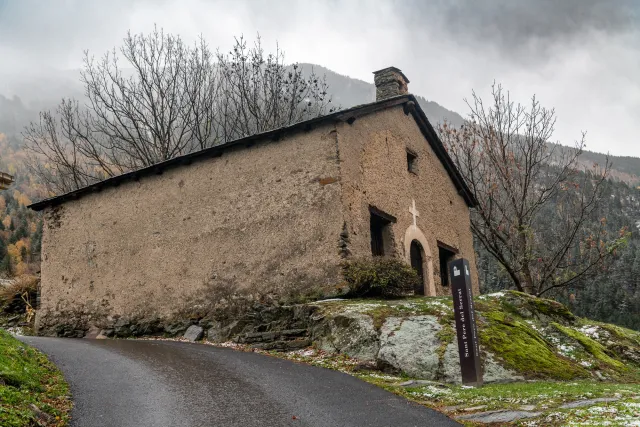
32 390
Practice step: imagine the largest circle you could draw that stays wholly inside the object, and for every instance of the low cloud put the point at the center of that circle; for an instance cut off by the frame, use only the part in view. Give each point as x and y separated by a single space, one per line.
580 56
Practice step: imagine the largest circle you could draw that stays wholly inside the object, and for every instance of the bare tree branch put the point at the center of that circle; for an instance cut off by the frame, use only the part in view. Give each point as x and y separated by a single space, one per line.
167 100
537 209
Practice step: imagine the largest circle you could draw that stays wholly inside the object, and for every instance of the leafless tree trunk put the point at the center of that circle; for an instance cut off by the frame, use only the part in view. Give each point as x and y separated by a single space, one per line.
168 99
537 210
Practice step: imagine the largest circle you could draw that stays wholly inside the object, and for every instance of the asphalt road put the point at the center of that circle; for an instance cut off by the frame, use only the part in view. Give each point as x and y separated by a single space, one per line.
161 383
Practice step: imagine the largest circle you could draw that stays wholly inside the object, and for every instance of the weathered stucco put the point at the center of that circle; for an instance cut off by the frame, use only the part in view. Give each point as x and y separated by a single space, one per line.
272 219
373 167
263 219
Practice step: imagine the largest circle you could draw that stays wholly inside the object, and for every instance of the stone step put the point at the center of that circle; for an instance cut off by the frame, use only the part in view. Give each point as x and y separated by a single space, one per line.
271 336
283 345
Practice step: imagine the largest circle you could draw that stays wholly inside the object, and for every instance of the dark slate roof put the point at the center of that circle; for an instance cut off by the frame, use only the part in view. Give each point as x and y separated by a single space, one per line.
411 106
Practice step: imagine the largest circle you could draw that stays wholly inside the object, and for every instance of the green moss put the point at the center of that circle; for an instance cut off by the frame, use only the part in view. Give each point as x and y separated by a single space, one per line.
623 335
517 329
27 377
551 308
592 346
380 315
383 309
445 335
525 305
523 349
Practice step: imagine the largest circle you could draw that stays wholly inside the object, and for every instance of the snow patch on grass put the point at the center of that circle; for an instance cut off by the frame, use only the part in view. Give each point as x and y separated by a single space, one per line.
430 392
492 295
592 331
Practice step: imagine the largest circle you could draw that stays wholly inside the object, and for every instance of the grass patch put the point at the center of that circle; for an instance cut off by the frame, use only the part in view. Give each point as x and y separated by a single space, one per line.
522 349
625 336
539 396
542 395
28 378
410 306
592 346
622 413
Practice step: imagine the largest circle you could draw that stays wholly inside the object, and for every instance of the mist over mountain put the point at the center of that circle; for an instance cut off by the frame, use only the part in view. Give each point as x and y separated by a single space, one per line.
347 92
23 96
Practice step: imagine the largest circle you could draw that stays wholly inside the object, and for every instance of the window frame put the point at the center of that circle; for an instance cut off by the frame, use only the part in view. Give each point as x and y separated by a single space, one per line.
380 230
412 161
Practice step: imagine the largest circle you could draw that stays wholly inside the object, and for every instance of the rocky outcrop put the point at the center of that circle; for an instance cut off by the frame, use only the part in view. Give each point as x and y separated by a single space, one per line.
411 345
521 337
193 333
414 345
352 334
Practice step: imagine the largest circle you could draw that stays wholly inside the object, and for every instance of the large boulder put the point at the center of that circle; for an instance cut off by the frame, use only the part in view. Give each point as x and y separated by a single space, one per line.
194 333
493 372
348 333
411 345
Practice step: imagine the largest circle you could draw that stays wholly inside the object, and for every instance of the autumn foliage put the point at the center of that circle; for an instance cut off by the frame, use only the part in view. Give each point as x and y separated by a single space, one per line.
20 228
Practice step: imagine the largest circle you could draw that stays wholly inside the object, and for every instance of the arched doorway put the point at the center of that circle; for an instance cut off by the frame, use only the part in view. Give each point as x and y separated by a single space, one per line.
414 239
417 262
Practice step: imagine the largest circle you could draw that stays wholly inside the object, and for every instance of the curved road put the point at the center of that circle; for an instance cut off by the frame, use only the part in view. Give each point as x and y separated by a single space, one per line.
122 383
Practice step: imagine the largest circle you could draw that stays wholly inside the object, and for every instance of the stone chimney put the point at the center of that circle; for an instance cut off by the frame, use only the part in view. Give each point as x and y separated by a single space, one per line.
390 82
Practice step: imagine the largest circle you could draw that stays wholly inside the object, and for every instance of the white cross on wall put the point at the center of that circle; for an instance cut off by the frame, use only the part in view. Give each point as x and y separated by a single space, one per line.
415 213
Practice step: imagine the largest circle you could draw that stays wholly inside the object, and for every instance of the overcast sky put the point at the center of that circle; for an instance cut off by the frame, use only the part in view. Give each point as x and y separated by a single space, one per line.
580 56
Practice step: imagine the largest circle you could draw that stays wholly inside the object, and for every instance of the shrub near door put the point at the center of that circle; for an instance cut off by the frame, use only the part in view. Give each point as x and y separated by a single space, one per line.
379 277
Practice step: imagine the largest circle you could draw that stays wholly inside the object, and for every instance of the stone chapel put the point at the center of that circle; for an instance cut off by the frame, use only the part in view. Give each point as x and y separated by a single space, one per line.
277 211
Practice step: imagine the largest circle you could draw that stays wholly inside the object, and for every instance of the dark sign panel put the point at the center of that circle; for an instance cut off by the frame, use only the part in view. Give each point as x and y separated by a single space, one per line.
465 322
5 180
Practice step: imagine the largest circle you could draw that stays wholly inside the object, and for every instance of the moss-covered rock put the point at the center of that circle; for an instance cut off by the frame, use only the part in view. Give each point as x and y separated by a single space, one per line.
522 348
521 336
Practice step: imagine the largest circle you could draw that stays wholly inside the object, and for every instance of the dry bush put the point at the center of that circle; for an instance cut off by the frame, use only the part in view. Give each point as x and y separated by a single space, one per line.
11 297
379 277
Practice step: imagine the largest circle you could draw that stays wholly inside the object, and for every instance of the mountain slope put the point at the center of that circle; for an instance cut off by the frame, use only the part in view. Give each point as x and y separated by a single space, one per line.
347 92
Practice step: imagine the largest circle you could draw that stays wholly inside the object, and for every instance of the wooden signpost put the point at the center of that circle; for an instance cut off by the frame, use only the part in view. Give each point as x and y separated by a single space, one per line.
5 180
465 322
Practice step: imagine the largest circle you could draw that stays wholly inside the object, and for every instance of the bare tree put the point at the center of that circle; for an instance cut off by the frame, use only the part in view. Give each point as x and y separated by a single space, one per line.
168 99
537 212
259 93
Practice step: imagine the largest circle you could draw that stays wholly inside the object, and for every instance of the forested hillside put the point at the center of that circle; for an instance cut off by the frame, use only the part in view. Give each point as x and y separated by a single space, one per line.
612 296
20 228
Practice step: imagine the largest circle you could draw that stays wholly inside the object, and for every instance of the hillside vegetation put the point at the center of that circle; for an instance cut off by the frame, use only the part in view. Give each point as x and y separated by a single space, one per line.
611 294
32 390
20 227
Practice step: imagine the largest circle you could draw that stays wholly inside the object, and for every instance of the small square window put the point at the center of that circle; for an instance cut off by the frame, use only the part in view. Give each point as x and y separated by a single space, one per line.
381 237
412 162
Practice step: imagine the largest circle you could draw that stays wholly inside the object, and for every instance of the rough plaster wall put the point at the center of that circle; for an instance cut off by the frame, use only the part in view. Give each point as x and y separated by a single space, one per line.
373 162
263 218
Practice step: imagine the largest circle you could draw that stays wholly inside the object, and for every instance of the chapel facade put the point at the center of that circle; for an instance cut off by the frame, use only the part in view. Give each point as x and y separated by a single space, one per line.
276 212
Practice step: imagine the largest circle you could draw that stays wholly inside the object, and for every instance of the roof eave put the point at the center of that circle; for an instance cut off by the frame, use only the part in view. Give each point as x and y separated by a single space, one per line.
438 147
